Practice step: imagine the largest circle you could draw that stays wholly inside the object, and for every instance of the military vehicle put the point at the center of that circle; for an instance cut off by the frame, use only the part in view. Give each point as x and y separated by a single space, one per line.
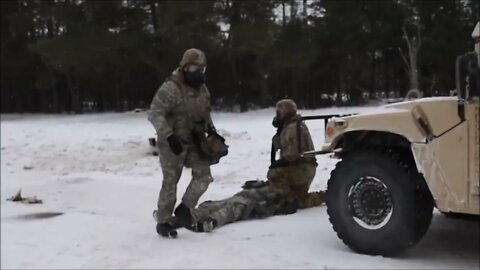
402 160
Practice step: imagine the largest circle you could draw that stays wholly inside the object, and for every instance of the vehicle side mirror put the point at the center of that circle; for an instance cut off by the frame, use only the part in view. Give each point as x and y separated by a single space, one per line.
473 77
467 73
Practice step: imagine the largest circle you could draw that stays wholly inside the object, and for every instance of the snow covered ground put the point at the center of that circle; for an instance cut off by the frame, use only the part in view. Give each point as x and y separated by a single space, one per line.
97 170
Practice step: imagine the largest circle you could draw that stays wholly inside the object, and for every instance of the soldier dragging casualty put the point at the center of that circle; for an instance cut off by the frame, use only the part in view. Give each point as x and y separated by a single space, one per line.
180 114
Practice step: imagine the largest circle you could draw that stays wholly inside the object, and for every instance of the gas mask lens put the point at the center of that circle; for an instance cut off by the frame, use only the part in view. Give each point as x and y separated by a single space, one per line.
195 68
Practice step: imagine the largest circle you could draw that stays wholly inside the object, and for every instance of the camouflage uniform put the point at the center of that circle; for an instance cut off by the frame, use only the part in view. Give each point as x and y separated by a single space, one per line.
179 109
250 203
293 177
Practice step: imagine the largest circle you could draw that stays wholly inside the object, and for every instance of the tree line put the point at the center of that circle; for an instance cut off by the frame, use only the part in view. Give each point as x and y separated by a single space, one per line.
112 55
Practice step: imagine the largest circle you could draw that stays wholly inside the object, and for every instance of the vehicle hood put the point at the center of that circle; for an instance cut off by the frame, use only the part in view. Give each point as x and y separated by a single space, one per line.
441 113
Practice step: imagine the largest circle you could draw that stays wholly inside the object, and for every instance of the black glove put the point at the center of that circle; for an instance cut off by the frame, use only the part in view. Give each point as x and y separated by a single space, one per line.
254 184
278 163
175 144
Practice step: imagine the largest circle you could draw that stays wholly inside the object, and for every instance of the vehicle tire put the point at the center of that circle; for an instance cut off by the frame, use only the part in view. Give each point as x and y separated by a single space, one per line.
374 203
424 199
424 205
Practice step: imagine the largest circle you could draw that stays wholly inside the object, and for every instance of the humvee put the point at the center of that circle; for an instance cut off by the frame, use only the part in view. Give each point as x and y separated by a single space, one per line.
402 160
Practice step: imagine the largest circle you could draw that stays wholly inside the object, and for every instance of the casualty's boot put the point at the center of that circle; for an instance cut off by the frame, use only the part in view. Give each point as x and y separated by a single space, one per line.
183 215
206 225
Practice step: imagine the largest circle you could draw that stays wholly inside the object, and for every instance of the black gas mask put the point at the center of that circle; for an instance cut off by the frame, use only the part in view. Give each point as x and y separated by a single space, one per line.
194 75
277 121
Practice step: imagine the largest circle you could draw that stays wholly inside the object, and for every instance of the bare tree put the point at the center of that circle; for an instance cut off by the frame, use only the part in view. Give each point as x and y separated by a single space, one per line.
414 42
305 13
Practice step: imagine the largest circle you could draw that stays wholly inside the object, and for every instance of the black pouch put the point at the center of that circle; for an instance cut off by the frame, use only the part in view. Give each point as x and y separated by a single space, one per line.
212 148
250 184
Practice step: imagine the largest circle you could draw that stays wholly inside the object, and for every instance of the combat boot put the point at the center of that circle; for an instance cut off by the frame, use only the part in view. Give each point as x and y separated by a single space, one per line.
167 230
313 199
183 215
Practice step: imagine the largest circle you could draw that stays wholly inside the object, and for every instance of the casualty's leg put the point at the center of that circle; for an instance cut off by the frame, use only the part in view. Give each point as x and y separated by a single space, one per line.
228 212
206 208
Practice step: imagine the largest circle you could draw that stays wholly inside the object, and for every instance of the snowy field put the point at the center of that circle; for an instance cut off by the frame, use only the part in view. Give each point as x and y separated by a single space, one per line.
97 171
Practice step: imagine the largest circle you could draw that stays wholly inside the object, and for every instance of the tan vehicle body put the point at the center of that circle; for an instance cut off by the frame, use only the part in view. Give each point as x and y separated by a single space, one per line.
444 146
449 161
403 159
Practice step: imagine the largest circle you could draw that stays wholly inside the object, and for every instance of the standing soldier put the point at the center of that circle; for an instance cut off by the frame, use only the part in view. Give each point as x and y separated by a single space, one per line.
180 114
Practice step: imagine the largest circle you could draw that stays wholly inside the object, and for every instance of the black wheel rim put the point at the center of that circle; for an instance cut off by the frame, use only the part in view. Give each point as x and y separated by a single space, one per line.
370 203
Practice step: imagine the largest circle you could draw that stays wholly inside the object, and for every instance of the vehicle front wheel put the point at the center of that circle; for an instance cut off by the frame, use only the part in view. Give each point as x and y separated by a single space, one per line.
372 203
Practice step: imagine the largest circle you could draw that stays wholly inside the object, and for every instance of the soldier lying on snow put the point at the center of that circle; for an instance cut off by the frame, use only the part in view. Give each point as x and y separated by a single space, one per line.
286 190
